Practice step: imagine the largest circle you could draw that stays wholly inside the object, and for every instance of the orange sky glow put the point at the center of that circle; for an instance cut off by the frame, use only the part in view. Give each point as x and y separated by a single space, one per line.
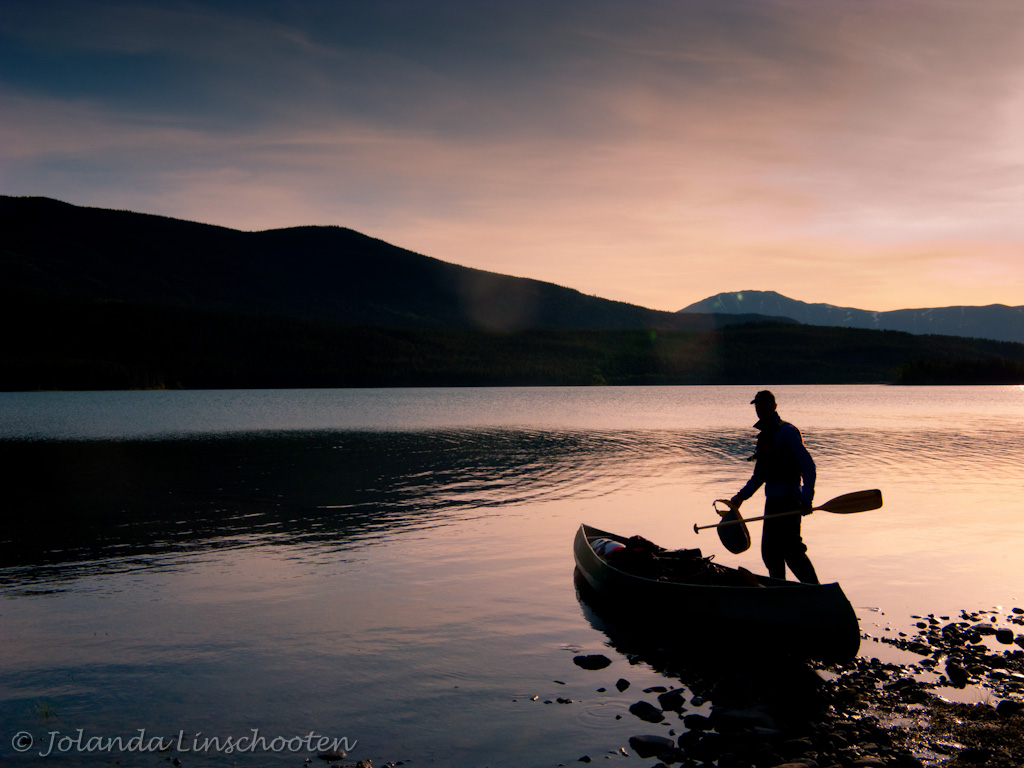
863 153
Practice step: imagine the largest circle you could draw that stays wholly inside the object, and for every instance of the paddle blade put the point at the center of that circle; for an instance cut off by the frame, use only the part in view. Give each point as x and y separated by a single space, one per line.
858 501
735 536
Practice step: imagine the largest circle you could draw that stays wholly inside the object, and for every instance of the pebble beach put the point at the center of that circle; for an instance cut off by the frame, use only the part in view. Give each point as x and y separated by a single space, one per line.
863 714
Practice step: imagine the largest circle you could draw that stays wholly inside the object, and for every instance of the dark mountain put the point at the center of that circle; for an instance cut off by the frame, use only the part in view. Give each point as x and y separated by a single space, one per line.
996 321
99 299
53 250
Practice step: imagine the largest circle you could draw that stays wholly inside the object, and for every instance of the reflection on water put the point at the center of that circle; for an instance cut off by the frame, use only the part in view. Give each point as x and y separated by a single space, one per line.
135 415
397 567
708 670
118 504
81 506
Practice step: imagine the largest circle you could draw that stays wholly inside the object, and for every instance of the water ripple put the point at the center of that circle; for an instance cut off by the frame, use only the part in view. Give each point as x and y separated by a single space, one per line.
93 504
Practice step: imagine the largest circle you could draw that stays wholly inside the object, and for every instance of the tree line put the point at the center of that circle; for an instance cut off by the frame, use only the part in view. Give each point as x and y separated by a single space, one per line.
113 345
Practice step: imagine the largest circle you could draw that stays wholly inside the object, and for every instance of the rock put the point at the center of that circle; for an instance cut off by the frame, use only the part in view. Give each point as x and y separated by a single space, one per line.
1004 636
954 633
704 746
331 757
794 748
593 661
697 723
651 746
838 741
1009 707
994 661
726 719
901 684
646 711
976 755
622 684
957 675
729 760
671 701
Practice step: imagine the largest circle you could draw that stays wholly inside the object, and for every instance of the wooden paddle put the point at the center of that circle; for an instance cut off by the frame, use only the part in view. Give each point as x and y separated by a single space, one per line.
858 501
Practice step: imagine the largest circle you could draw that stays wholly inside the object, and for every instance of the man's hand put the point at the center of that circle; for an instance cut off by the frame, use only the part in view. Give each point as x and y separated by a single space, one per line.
736 501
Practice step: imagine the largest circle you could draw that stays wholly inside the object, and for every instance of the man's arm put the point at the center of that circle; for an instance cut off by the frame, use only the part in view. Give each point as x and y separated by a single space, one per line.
794 443
748 490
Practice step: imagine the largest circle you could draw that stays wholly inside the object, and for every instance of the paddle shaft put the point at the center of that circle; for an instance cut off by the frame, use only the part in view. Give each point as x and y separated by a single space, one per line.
859 501
748 519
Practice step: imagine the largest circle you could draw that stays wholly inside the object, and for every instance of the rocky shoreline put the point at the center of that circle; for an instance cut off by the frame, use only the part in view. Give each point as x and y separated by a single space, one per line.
863 714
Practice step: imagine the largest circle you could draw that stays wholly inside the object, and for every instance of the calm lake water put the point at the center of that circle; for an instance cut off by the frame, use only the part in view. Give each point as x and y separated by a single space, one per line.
394 567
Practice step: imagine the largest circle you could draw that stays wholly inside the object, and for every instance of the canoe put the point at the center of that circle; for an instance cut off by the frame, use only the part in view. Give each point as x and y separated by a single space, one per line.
692 597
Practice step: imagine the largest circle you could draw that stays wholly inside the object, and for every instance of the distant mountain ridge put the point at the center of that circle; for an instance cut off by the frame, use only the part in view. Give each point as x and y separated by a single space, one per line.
996 321
55 251
100 299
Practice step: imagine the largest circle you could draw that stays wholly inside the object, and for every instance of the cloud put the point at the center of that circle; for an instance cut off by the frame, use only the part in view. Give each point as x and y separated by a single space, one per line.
654 152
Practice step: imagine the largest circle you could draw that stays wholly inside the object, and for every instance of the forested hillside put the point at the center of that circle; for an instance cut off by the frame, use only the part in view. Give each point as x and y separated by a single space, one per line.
95 299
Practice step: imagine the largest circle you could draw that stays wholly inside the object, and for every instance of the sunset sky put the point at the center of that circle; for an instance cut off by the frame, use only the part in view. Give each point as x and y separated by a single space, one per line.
864 153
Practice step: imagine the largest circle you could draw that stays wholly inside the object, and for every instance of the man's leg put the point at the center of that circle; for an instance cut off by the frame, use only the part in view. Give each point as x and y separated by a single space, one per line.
773 551
798 561
781 543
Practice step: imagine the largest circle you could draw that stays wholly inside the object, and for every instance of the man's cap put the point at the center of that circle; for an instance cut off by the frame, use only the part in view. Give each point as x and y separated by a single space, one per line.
764 396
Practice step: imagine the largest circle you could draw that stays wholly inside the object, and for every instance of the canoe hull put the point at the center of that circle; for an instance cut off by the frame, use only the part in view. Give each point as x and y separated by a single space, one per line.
807 620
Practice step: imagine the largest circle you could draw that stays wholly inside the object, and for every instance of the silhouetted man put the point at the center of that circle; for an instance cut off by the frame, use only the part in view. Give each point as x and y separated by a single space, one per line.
786 470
